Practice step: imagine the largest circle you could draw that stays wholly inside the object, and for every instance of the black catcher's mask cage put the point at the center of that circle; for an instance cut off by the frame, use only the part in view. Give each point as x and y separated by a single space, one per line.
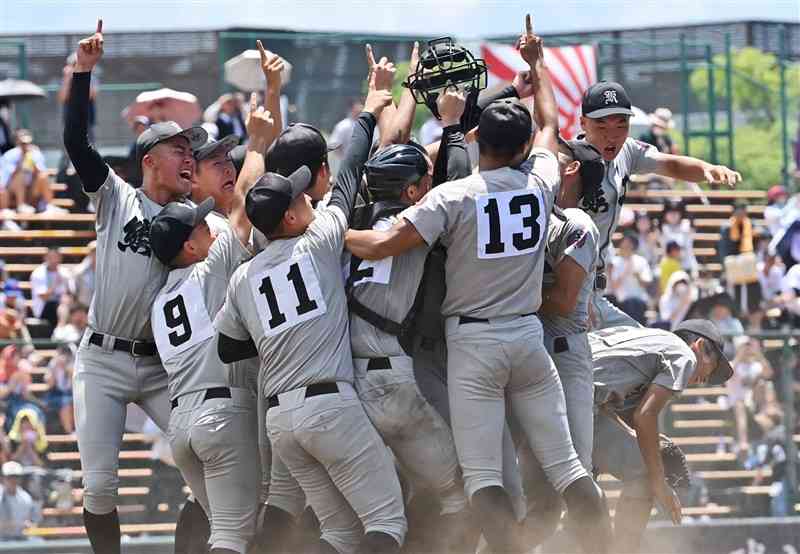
443 64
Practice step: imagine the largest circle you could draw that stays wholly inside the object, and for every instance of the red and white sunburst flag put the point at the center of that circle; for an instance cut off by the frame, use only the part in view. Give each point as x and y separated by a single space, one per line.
572 70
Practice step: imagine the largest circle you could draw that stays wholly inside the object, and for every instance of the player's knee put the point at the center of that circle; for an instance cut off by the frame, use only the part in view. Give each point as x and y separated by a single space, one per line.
344 539
452 498
100 491
563 474
392 523
475 480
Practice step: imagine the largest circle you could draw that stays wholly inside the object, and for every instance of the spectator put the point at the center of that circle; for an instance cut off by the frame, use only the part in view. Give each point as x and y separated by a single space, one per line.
19 396
770 275
630 276
59 379
139 125
649 238
5 447
230 120
18 511
82 282
790 294
340 135
658 134
49 282
676 228
679 294
776 201
24 182
6 137
670 263
28 438
73 328
730 327
746 291
10 362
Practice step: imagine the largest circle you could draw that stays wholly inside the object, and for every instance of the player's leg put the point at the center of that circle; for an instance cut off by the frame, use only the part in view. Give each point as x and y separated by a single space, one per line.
477 373
337 432
341 530
100 407
617 452
538 404
193 520
230 467
607 314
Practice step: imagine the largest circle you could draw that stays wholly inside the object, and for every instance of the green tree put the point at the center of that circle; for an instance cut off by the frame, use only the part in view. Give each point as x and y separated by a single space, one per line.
756 84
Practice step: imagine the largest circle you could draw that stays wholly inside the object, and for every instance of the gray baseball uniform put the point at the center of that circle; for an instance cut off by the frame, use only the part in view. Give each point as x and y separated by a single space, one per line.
634 158
626 361
418 436
574 236
220 468
494 225
290 294
106 379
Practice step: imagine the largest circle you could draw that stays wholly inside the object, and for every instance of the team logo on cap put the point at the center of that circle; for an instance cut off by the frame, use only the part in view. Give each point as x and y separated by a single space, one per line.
610 96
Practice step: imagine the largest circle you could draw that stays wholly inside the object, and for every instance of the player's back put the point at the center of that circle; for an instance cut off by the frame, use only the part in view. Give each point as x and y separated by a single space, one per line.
494 226
291 300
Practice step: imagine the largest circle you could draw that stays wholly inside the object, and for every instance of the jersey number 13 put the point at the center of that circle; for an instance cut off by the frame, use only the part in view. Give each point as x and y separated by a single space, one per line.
510 223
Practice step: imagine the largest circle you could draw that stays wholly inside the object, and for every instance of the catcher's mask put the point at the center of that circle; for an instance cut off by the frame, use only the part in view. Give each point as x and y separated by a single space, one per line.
443 64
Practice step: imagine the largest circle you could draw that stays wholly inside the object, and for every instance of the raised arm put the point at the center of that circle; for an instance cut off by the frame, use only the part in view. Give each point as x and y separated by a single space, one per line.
544 100
88 163
272 65
261 132
399 131
348 180
451 161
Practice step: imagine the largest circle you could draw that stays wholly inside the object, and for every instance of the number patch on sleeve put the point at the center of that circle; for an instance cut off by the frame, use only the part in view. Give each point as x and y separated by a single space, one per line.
181 320
288 294
510 223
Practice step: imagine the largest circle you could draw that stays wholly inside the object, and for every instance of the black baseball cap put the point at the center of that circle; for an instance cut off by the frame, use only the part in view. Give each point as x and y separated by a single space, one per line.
605 98
298 145
172 226
159 132
228 144
708 330
505 125
592 169
269 198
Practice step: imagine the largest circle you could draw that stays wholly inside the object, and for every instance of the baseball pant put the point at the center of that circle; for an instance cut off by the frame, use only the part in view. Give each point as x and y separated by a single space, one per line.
339 460
430 372
105 382
489 362
607 314
616 451
418 436
213 446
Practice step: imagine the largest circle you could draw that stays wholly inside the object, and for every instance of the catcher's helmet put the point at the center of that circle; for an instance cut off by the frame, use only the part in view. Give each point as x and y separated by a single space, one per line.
393 168
445 63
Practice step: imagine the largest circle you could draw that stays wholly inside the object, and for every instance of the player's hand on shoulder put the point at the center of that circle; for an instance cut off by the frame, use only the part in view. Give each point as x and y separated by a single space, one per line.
90 50
451 104
720 174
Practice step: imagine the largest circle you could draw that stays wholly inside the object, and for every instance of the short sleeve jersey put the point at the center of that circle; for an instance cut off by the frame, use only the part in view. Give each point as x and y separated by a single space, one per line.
627 360
290 300
572 235
494 226
388 287
183 313
635 157
128 275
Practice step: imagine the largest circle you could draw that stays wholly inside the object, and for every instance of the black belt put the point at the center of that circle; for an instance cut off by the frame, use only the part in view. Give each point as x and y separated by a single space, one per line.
464 319
136 348
379 363
214 392
560 344
311 390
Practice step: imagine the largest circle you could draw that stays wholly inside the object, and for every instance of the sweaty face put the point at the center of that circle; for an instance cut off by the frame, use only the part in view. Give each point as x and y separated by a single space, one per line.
215 177
173 166
607 134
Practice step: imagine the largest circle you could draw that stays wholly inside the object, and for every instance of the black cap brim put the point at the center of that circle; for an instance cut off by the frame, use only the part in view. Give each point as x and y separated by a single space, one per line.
605 112
203 209
724 369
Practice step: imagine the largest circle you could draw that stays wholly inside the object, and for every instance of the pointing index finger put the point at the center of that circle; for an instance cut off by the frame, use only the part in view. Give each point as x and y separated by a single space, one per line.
370 56
253 102
99 25
528 25
261 51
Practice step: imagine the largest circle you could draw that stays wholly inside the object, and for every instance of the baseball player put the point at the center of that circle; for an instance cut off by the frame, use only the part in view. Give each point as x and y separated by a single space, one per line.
117 362
638 371
606 111
494 224
291 294
220 468
382 300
